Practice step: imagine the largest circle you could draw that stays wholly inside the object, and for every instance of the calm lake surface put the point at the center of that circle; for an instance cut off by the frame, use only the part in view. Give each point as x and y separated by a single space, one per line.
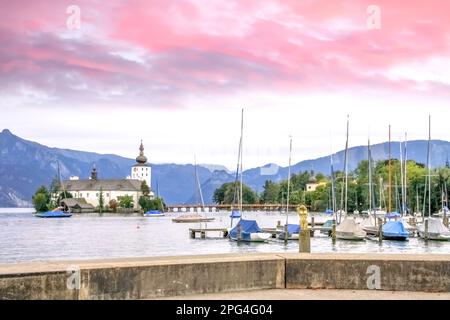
25 238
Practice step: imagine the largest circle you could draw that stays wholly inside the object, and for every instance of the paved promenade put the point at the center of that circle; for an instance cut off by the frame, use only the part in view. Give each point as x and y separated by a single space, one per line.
308 294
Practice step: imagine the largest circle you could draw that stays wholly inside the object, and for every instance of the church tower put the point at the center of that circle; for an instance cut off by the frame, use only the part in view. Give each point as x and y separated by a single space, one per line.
141 170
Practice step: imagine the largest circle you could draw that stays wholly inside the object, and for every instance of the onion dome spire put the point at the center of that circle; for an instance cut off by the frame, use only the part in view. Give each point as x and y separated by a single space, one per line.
94 173
141 159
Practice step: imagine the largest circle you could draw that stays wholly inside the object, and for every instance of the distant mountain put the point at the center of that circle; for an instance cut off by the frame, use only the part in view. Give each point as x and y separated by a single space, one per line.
25 165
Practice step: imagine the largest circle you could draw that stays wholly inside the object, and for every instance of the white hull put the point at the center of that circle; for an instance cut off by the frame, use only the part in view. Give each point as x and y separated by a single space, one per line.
255 237
435 236
154 215
349 236
293 236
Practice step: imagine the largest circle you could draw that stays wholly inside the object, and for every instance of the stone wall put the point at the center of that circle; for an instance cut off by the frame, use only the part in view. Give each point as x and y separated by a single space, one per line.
157 277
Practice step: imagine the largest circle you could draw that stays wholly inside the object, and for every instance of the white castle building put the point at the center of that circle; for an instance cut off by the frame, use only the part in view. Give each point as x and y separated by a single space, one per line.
89 189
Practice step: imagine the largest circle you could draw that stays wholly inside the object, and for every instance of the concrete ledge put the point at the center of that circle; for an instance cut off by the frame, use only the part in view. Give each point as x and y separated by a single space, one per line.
426 273
143 278
146 278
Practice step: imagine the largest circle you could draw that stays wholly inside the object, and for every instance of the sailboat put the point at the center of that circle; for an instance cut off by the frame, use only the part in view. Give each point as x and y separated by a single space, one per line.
369 225
57 212
393 229
436 229
348 229
155 213
245 230
194 217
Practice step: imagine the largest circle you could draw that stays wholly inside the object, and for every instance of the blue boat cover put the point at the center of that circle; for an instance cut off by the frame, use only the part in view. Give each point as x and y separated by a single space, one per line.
293 228
329 211
392 215
153 212
235 214
53 214
247 227
395 229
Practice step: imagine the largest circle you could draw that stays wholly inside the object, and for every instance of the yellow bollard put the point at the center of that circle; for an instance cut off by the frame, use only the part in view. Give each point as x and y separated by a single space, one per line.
304 236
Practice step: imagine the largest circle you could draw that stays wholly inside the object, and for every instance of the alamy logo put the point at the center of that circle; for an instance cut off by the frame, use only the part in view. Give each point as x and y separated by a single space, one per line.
374 18
271 170
74 278
374 280
74 20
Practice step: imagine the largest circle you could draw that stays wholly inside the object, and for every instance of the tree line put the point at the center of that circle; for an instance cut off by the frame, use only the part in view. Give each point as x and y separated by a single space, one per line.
358 189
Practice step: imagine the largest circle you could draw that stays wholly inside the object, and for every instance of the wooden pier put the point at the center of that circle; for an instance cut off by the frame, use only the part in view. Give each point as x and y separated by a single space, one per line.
195 231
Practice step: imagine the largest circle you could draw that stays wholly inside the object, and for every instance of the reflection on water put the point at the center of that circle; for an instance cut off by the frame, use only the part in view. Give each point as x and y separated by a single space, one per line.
26 238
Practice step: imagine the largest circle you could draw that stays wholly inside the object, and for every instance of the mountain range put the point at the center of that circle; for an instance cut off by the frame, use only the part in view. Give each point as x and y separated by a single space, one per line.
25 165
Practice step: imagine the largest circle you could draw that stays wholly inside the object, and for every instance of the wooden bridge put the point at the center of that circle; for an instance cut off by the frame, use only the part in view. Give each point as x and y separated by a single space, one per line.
228 207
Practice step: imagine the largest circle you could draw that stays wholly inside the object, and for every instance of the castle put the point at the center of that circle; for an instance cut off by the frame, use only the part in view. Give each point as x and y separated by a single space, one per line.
88 190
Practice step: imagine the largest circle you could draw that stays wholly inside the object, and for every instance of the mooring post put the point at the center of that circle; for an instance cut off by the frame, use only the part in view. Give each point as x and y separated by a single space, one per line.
286 234
380 230
203 234
192 234
312 227
426 229
304 236
333 232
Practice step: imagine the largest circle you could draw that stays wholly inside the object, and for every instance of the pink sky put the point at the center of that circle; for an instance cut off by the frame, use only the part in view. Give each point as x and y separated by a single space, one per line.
167 55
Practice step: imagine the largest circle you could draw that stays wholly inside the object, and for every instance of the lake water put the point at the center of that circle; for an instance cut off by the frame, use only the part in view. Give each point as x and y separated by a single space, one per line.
25 238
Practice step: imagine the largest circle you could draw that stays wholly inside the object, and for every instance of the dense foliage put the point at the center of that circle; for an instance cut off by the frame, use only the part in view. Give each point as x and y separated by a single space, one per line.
358 189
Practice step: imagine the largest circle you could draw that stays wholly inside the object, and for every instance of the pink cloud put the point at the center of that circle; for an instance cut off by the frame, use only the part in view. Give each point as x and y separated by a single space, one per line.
219 46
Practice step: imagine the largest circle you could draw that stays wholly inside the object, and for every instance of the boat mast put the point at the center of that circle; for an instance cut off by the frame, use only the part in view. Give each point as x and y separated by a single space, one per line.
242 137
405 175
429 165
390 175
345 183
402 191
370 176
289 180
333 194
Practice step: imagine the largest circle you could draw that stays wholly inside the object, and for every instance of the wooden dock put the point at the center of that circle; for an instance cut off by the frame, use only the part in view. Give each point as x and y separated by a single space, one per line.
195 231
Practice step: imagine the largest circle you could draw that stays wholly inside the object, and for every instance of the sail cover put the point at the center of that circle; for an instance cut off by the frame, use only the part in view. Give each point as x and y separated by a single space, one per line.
246 228
395 229
329 211
235 214
435 226
293 229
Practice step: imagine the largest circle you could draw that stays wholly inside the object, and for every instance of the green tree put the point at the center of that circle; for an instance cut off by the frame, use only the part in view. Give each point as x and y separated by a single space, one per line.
126 201
40 202
101 201
271 192
145 189
225 194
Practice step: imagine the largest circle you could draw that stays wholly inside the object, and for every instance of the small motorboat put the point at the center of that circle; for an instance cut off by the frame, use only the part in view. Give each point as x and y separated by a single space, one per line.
248 231
436 230
53 214
327 227
293 231
154 213
350 230
369 227
395 230
191 218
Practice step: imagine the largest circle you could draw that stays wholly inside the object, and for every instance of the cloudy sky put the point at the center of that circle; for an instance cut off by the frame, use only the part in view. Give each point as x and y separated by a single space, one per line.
176 74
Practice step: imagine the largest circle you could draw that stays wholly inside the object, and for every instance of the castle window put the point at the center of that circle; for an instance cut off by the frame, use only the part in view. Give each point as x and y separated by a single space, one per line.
81 195
107 194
